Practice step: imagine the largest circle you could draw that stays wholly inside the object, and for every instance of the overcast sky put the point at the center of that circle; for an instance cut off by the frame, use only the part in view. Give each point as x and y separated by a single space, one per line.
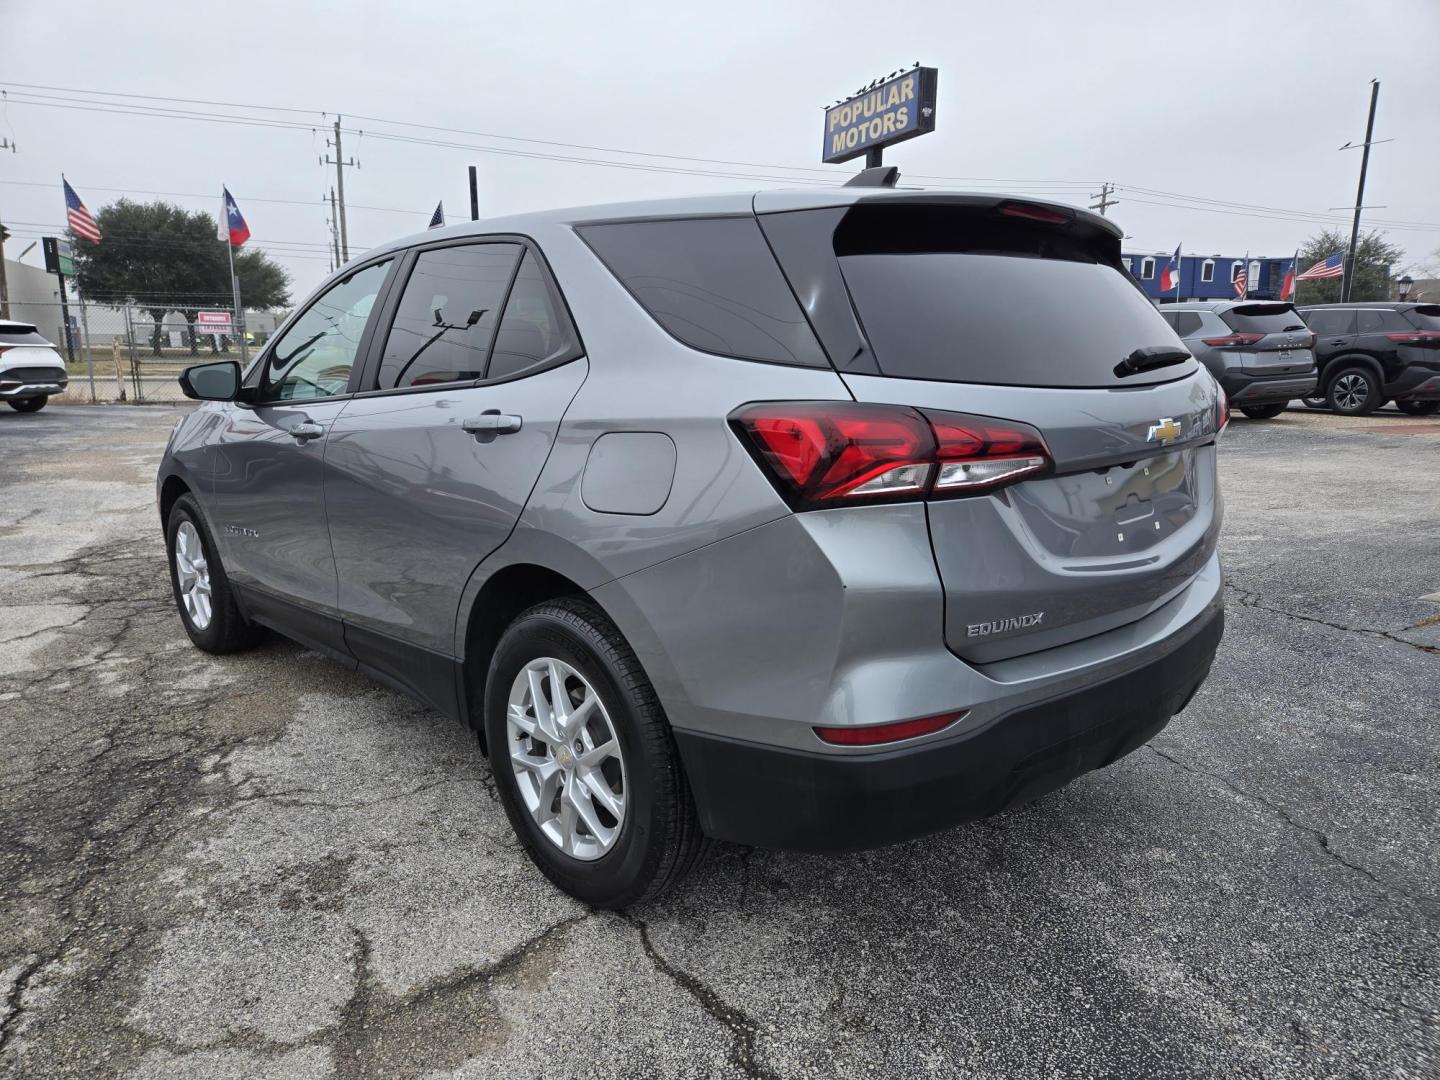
1232 102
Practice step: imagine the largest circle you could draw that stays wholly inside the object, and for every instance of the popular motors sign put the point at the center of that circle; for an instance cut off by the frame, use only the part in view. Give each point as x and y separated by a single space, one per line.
897 109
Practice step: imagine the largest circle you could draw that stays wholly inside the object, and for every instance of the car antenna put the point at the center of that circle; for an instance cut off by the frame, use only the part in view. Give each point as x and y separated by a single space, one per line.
877 176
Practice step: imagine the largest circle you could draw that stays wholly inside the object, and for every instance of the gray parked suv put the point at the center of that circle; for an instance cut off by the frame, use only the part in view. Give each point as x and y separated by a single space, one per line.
1261 353
812 520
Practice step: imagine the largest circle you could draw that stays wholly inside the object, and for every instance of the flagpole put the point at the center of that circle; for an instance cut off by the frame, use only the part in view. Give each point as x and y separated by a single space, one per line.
234 281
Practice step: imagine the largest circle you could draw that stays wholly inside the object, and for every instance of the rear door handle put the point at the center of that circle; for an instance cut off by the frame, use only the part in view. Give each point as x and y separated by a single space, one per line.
305 431
493 422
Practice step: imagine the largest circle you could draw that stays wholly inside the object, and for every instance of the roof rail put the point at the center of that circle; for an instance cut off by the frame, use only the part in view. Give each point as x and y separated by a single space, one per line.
878 176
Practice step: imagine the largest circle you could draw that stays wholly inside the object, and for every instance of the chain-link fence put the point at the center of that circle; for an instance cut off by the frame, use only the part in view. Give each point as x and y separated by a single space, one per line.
135 353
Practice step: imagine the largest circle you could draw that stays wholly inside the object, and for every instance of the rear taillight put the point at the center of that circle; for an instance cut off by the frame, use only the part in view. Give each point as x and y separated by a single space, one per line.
1415 337
1232 340
878 734
1222 413
829 453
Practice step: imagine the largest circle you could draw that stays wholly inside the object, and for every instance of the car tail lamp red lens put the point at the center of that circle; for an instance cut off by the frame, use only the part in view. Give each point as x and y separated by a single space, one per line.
1222 412
831 453
880 734
1031 212
1232 340
1416 337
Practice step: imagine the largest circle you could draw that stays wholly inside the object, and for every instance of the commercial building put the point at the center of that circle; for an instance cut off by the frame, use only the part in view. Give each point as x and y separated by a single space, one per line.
1209 277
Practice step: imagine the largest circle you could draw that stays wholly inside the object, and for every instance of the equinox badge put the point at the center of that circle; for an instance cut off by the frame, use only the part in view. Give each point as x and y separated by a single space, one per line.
1165 430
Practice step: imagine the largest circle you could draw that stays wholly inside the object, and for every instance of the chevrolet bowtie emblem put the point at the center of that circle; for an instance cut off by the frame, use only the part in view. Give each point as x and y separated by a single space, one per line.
1166 430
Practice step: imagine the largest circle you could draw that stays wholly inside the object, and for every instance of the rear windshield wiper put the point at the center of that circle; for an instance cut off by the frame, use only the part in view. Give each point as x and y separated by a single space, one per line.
1151 356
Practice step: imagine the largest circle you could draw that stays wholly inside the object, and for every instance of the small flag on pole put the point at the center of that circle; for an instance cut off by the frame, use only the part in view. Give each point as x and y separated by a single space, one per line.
81 223
233 229
1170 276
437 219
1328 267
1288 289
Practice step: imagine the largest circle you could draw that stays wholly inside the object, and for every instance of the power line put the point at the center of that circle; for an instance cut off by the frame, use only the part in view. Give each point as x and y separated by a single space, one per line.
212 196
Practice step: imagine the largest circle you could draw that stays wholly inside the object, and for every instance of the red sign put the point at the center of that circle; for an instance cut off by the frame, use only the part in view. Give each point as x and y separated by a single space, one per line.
213 322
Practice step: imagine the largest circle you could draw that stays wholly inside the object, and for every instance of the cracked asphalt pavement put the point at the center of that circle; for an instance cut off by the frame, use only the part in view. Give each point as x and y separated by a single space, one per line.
265 866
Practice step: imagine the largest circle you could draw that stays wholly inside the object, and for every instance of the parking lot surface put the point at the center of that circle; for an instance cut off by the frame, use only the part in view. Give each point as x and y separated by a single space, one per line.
266 866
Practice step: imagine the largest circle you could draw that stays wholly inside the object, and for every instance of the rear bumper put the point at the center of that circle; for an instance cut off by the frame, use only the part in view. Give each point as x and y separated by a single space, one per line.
1415 386
1243 389
13 387
786 798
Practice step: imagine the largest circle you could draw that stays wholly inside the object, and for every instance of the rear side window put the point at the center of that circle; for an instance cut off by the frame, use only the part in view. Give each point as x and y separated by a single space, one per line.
1427 317
1184 323
1263 318
447 315
1327 321
712 283
1381 321
535 330
969 296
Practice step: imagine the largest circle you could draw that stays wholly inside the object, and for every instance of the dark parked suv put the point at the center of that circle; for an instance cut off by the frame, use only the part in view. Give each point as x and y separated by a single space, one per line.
1373 353
1258 352
815 520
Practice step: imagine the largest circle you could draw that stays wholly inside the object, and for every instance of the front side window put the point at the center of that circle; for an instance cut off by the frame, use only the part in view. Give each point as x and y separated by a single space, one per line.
314 357
1147 269
1325 321
447 315
534 331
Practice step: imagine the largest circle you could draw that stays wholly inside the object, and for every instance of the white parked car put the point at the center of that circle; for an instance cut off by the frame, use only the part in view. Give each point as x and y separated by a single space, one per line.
30 368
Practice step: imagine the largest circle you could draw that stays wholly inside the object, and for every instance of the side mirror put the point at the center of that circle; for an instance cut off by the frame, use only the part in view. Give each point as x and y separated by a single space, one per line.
219 381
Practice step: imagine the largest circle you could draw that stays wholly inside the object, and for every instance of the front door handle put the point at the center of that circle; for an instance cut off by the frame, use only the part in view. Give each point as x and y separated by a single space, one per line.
493 422
305 431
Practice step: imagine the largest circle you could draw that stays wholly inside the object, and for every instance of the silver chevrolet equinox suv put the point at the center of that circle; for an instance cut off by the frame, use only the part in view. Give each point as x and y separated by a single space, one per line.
813 520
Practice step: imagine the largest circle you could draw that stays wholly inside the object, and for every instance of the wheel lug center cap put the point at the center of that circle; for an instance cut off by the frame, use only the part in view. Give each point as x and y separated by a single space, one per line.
565 758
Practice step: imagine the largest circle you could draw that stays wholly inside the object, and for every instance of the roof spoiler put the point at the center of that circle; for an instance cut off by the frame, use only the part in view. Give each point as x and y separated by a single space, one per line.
878 176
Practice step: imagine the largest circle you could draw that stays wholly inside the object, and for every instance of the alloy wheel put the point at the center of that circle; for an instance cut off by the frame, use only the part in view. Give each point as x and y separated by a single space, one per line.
1351 391
192 571
566 758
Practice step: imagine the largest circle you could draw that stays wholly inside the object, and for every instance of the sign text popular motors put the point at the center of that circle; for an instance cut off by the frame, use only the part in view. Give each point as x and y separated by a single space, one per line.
897 109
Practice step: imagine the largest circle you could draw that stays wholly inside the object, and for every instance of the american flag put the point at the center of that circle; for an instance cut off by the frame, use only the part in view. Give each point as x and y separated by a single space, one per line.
1328 267
1241 283
81 223
437 219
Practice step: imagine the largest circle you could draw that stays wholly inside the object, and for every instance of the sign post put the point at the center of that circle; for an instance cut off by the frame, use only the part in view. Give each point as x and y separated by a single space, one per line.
882 114
60 261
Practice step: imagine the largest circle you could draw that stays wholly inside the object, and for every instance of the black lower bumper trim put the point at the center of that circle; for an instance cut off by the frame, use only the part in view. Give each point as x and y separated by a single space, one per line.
779 798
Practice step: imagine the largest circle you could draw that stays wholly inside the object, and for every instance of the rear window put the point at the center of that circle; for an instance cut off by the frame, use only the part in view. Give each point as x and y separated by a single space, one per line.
1263 318
1184 323
1427 317
712 283
968 294
20 334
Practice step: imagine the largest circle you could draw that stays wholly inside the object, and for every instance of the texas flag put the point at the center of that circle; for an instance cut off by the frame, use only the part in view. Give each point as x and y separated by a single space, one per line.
232 229
1170 276
1287 290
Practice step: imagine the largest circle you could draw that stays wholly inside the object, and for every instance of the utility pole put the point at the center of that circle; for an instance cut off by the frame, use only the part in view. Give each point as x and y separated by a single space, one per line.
1348 283
340 166
474 195
1106 190
334 234
4 290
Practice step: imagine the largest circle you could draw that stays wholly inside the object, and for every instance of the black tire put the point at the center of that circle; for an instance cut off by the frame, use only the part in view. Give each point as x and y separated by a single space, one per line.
1355 391
227 631
1318 401
29 404
659 841
1263 412
1418 408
